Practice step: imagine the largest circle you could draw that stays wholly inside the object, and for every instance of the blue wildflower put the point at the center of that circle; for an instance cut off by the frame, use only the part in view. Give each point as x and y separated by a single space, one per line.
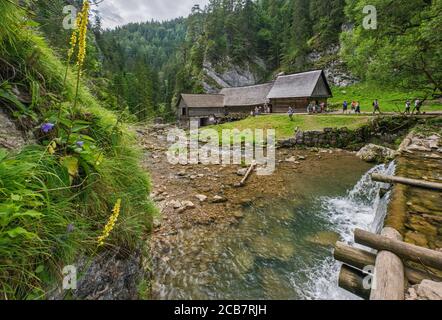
46 127
80 144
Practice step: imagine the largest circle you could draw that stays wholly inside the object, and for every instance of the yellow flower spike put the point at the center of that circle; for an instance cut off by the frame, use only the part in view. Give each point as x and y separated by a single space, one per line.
110 224
51 147
74 36
82 33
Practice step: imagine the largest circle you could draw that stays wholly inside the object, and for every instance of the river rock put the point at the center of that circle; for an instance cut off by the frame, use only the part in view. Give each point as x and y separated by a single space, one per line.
238 214
267 248
218 199
429 290
276 287
242 172
244 261
111 275
201 197
188 204
375 153
185 205
292 160
175 204
324 238
182 173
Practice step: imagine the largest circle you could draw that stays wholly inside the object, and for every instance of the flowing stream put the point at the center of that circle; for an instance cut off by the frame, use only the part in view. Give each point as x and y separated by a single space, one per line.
280 250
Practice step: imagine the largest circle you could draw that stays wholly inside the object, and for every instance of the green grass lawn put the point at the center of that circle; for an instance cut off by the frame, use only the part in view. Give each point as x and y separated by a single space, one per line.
390 100
286 128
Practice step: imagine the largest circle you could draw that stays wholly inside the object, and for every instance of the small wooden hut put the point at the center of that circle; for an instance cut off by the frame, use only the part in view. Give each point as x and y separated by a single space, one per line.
201 107
298 90
295 90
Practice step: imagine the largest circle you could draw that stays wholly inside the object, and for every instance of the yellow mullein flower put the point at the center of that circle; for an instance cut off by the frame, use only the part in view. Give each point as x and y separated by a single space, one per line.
51 147
82 33
74 37
110 224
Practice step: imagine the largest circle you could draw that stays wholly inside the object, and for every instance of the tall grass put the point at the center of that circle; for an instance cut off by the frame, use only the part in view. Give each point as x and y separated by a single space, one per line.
51 212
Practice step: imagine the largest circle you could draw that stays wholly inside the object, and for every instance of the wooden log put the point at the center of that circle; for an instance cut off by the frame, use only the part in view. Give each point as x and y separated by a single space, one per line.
354 257
407 181
352 280
249 171
389 280
416 276
406 251
359 259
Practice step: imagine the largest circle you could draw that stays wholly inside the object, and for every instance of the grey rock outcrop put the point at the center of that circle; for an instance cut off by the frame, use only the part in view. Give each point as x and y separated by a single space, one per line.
426 290
10 136
231 75
334 67
375 153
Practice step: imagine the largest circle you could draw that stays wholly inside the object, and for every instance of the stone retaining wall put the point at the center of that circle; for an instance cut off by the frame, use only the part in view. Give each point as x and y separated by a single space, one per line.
386 129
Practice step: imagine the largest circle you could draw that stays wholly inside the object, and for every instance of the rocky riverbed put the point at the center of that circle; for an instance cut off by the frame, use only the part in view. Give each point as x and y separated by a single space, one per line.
201 207
189 195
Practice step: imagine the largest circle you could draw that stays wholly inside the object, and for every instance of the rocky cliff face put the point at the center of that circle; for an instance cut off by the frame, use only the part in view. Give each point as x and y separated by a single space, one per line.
334 67
232 75
228 74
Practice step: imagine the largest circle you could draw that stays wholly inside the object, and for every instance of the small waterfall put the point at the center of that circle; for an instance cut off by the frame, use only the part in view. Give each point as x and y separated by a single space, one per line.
363 208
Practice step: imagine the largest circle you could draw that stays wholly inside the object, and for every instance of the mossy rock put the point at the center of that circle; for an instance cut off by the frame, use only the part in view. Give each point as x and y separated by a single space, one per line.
275 286
324 238
421 225
416 238
244 261
267 248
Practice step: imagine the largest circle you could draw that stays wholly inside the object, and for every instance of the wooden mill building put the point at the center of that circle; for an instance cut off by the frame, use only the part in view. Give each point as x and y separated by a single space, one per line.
295 90
245 99
298 90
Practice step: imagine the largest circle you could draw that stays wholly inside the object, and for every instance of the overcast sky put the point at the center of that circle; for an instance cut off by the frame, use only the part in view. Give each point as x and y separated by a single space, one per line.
119 12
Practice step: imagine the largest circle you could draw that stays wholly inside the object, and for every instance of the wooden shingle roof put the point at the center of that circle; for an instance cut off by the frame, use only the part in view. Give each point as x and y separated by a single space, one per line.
311 84
203 100
246 96
299 85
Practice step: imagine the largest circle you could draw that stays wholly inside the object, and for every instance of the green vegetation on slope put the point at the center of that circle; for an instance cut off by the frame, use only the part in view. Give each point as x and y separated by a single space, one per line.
286 128
391 100
404 52
57 196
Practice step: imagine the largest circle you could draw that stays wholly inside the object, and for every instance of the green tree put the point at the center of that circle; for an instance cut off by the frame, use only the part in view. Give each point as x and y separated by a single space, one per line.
404 50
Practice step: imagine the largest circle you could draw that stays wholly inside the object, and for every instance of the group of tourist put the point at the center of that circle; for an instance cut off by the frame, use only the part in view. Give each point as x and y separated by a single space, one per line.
316 107
260 110
355 106
417 107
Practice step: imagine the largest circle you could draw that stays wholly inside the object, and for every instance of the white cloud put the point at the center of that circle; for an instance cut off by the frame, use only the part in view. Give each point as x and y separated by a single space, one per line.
119 12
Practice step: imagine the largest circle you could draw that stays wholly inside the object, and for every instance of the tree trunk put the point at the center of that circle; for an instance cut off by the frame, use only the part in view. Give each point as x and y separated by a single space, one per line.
427 257
389 280
410 182
359 259
352 280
